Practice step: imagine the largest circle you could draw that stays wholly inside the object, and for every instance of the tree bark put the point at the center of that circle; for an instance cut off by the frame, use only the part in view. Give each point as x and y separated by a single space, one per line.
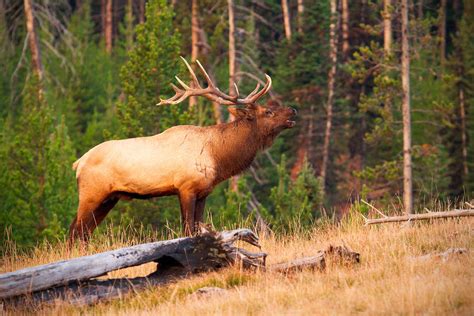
305 144
331 81
194 41
286 19
300 16
345 28
33 41
407 164
232 71
141 11
102 17
387 27
442 32
462 115
420 9
232 61
108 26
129 24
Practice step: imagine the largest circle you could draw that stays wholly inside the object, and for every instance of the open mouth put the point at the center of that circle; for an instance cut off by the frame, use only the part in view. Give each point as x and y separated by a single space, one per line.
290 123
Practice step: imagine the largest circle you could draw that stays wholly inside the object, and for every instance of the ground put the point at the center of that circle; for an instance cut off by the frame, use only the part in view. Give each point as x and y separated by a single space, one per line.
389 280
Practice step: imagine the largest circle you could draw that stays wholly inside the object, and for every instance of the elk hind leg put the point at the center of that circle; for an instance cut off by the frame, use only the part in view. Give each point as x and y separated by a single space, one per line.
187 202
199 212
88 217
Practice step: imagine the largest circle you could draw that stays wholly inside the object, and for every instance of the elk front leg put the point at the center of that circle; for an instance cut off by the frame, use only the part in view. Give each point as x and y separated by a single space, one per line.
198 214
187 202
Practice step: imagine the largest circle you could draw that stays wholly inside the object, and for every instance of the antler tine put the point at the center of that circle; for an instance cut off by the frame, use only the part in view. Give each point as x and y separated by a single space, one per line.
178 93
214 89
212 92
204 72
191 71
236 89
185 86
251 94
254 95
176 89
269 83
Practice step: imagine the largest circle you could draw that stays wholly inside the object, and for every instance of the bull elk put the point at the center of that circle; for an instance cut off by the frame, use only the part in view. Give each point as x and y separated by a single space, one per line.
188 161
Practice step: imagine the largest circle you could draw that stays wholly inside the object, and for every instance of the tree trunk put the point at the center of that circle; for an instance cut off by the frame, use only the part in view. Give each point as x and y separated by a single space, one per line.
232 62
33 41
331 81
286 19
232 71
442 32
102 17
194 41
345 28
108 26
305 143
300 16
420 9
407 167
129 24
462 115
387 27
141 11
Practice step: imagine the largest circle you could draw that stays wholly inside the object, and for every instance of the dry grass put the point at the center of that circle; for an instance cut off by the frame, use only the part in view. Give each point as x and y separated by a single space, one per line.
387 281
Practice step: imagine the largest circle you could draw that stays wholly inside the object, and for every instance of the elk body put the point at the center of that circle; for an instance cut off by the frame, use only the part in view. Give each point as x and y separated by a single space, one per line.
187 161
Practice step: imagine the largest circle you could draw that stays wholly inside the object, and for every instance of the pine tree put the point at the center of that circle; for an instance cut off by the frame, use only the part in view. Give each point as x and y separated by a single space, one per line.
39 197
151 67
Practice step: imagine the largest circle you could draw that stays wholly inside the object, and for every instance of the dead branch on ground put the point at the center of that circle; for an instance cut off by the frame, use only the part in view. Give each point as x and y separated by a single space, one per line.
418 217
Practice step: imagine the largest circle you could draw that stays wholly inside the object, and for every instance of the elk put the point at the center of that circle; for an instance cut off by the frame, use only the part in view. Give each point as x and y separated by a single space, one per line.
185 160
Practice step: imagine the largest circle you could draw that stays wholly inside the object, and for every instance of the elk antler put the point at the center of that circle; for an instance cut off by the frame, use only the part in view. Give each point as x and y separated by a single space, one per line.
212 92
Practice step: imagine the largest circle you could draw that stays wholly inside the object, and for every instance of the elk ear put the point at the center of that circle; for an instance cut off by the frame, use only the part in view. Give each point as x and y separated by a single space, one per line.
241 113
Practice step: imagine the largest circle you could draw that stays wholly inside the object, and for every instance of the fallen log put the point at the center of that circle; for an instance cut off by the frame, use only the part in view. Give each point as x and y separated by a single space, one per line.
417 217
207 251
340 254
443 256
176 259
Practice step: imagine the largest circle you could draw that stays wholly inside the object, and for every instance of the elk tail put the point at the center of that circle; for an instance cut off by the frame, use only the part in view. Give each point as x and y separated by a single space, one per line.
76 164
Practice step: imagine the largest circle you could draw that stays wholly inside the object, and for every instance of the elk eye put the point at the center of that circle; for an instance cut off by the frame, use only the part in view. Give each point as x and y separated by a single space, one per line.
269 113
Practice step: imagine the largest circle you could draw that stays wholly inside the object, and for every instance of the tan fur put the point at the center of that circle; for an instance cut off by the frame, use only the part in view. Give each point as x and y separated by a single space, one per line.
188 161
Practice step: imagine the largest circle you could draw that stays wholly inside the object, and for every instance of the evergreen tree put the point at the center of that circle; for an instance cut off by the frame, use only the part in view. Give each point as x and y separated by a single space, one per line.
462 64
151 67
39 198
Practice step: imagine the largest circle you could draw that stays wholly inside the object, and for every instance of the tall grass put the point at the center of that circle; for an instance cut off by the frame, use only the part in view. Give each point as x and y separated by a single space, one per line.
387 281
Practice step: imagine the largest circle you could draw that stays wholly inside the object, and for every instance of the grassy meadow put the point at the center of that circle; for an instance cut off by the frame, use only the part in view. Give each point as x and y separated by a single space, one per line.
387 281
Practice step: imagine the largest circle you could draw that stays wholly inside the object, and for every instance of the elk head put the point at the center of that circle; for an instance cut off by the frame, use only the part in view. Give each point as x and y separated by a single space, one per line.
268 121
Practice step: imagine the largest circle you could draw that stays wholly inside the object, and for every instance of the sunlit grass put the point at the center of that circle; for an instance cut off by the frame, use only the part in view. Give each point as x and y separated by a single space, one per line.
387 280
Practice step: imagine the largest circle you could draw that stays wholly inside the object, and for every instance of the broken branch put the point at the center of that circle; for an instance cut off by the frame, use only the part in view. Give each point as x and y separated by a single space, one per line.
417 217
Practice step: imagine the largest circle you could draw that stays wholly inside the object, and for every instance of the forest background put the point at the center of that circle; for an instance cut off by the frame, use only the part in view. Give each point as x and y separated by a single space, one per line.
90 71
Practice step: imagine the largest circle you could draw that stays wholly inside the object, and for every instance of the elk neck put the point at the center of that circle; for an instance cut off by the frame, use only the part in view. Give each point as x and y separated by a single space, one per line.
235 146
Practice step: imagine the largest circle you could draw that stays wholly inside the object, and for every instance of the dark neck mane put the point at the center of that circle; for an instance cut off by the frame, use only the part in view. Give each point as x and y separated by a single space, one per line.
234 147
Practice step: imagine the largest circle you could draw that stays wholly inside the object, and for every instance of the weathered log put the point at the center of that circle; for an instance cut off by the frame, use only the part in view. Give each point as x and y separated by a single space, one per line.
206 251
417 217
443 256
314 262
337 253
